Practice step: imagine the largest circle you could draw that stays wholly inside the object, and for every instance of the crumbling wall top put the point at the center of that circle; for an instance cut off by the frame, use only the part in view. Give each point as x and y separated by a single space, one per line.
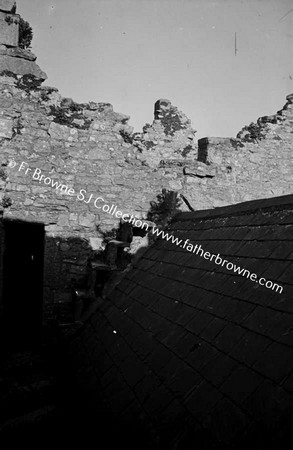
8 6
14 59
9 28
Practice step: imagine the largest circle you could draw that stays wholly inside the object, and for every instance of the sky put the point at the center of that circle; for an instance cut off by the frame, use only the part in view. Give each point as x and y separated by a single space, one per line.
131 53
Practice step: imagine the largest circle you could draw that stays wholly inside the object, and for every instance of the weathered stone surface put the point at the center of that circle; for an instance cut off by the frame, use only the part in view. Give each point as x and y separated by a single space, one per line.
7 6
96 243
91 151
200 170
21 66
170 137
18 53
9 29
87 220
6 128
57 131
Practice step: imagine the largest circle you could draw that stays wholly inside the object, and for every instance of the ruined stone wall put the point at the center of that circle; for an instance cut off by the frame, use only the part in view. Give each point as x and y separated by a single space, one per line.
84 147
90 147
258 163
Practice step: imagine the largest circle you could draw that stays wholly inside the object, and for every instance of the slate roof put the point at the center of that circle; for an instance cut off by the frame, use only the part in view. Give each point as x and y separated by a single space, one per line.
188 351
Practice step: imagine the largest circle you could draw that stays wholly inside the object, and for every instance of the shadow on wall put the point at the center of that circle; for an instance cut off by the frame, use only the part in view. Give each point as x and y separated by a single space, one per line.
54 280
39 275
78 279
22 264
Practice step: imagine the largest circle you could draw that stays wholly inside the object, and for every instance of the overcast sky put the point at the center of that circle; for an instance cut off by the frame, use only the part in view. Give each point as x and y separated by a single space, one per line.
132 52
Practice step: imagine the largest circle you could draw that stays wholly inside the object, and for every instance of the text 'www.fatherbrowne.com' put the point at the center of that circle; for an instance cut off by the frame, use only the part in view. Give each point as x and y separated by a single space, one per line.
217 259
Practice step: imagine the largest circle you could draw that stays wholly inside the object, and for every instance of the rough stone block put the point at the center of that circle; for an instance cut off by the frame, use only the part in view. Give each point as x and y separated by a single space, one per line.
96 243
19 65
9 29
63 220
6 128
7 5
87 220
60 132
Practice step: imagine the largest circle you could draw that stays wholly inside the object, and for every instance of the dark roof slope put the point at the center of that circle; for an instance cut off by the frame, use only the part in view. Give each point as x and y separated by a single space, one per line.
192 353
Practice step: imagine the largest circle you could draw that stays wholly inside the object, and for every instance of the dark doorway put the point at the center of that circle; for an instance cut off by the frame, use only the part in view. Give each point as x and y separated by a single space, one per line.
23 264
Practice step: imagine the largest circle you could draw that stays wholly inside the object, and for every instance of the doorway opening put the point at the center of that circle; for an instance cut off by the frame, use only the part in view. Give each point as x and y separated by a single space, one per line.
23 267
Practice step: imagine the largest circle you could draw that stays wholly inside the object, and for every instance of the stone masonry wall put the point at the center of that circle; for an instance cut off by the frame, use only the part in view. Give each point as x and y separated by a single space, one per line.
82 147
90 147
257 164
92 150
